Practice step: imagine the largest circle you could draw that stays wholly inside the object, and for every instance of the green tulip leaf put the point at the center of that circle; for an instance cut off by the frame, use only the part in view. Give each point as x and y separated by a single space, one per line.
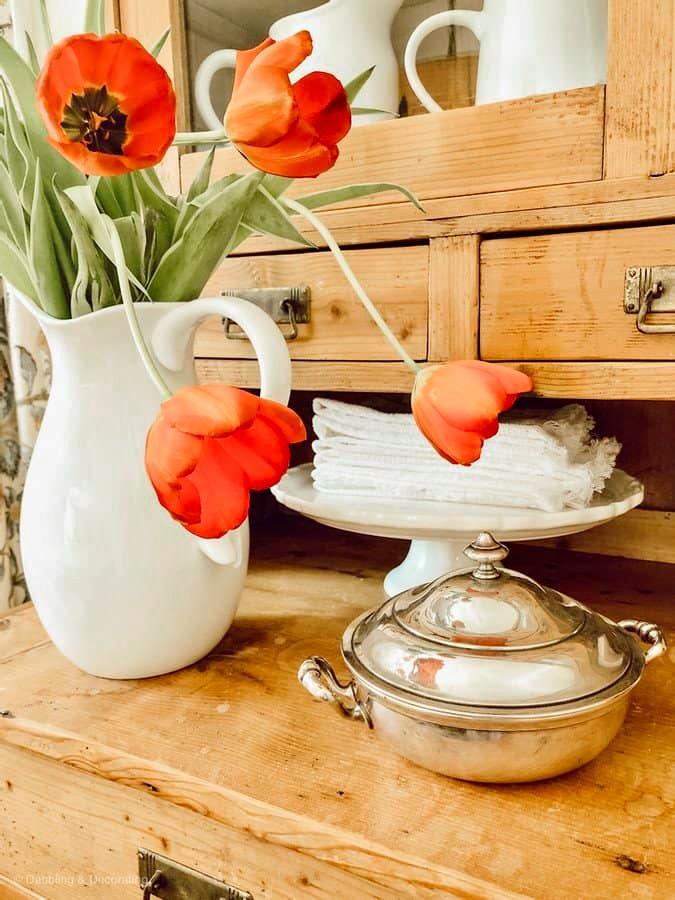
44 262
84 200
94 16
11 204
15 268
32 60
353 87
158 46
189 209
201 181
153 198
127 229
45 24
352 191
105 196
92 287
265 215
187 266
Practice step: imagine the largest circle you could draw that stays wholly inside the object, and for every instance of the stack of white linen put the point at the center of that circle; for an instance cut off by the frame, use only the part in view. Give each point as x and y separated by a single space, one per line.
538 460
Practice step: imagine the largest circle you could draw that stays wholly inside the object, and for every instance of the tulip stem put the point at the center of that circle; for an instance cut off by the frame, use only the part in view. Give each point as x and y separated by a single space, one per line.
374 312
132 318
201 137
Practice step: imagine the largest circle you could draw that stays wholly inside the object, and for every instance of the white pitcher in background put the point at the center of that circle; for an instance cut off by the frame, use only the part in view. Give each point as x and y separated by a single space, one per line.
349 36
526 47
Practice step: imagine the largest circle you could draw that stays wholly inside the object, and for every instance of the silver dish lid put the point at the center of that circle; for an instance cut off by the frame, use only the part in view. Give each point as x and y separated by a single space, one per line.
489 637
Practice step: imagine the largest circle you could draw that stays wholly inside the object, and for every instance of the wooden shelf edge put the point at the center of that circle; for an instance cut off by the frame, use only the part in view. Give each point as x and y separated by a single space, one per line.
556 380
641 534
10 890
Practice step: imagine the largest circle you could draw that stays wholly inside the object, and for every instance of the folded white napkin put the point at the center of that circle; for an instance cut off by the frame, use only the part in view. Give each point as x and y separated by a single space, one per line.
546 461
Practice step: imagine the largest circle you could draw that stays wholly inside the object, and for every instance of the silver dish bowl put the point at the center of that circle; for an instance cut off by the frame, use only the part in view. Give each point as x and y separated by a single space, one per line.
484 675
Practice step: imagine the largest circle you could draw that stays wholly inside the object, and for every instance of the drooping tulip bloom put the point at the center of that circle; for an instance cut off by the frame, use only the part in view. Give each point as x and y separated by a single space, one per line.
456 405
209 446
283 128
108 105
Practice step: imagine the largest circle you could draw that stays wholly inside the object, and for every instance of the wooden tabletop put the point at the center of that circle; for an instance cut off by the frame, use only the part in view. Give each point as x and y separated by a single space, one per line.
238 726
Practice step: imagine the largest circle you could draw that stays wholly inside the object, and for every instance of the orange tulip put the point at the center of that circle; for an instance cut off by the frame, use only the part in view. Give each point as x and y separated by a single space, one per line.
285 129
209 446
109 107
456 405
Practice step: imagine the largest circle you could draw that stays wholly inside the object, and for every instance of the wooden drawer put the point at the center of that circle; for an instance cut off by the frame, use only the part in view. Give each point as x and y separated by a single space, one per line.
396 278
560 296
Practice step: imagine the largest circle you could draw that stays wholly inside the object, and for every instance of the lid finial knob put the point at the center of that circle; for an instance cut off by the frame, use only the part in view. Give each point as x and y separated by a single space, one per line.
486 551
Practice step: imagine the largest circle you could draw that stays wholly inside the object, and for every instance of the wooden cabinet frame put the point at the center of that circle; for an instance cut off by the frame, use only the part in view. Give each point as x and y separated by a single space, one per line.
601 156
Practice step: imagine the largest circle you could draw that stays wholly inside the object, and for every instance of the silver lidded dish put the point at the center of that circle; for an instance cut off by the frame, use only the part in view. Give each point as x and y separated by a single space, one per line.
485 675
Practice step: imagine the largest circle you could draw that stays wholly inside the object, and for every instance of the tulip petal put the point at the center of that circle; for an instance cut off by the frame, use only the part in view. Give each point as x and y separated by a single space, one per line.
513 381
181 500
263 110
261 451
307 164
245 58
212 410
465 397
453 444
323 104
223 489
171 452
288 422
286 54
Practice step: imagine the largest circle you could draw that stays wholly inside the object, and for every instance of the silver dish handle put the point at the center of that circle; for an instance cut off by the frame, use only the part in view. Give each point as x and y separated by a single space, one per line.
317 677
648 634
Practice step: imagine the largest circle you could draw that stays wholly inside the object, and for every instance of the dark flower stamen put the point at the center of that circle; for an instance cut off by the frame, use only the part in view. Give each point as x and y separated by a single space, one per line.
95 120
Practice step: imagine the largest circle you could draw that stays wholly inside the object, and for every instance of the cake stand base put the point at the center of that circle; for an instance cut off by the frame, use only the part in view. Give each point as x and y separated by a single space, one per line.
426 561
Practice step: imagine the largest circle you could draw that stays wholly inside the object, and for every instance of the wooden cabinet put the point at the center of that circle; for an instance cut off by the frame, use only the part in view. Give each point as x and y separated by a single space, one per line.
533 211
231 768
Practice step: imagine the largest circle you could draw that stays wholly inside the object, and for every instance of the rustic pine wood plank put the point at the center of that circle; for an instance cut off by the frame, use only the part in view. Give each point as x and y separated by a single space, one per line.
451 81
639 137
640 534
619 201
454 297
533 141
560 380
9 890
396 278
238 744
20 630
560 296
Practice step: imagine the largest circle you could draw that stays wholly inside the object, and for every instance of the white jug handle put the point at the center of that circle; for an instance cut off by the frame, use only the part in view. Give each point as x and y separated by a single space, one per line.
214 62
474 21
172 345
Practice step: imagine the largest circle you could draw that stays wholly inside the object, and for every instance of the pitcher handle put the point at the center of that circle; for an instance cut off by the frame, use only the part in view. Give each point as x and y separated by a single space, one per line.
214 62
474 21
172 345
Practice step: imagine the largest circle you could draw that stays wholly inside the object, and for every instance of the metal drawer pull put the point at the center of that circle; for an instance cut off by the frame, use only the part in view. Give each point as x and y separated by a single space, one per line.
169 880
646 290
285 305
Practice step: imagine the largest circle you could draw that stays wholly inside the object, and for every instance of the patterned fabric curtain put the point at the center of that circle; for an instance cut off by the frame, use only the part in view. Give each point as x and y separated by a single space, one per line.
24 386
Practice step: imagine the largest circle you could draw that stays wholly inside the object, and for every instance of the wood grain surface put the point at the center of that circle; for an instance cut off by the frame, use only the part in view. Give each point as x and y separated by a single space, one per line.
237 743
396 279
560 296
549 139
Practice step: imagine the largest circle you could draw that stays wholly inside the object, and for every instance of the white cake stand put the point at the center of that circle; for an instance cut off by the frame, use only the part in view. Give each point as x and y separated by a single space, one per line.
439 531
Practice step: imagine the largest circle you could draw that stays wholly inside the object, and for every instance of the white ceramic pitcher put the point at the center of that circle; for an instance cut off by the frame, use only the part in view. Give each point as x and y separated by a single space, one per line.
121 589
349 37
526 47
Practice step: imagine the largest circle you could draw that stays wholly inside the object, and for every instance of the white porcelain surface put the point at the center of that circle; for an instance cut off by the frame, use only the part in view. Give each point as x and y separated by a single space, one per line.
526 47
349 37
122 589
440 531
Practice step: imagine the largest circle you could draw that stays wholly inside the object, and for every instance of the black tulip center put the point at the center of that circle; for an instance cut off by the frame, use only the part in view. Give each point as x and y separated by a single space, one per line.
94 119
